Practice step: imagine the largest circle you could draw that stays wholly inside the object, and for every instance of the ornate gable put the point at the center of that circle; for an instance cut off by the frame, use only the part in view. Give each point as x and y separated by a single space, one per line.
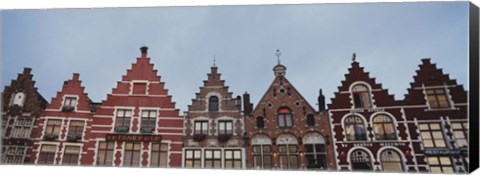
71 89
356 74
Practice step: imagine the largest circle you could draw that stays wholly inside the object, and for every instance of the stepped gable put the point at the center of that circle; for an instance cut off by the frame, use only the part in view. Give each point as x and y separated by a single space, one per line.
357 73
34 102
430 75
215 84
142 71
72 87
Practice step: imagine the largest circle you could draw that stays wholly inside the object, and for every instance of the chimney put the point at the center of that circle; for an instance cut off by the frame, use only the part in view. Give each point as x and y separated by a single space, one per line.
144 49
247 106
321 101
75 76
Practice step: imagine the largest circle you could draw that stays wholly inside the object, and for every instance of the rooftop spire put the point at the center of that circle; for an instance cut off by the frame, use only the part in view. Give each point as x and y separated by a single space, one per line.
144 49
278 54
214 61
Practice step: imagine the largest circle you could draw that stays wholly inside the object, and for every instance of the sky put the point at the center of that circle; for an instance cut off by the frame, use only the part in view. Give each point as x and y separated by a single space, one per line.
316 42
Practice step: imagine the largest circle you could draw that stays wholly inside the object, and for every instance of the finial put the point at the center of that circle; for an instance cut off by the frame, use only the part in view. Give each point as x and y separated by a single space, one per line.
144 49
354 56
278 54
321 92
214 65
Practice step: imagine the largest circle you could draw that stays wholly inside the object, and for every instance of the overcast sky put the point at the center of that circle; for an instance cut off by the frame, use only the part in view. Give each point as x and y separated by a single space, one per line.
316 41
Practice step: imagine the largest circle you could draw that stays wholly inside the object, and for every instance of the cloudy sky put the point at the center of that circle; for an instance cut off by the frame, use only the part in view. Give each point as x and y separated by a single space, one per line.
316 41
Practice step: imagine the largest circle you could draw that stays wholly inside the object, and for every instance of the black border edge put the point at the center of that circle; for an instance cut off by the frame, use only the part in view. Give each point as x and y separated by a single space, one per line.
473 87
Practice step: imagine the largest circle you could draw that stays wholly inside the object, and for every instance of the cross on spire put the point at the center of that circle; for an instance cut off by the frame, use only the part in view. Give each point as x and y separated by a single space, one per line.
214 60
278 54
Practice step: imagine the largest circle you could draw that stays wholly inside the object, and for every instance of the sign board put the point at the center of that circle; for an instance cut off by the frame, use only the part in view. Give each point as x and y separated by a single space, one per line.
442 152
134 137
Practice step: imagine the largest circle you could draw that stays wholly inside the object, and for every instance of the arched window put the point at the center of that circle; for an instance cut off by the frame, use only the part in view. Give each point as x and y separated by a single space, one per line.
288 151
18 98
310 120
384 128
314 148
213 103
355 128
361 96
260 122
285 117
262 151
391 161
360 160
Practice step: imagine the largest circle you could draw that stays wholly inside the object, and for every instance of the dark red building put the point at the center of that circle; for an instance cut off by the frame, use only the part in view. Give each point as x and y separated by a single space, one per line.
22 104
64 128
285 131
436 107
214 127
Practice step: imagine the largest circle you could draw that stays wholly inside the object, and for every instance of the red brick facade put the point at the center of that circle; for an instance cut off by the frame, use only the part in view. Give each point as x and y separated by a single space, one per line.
286 132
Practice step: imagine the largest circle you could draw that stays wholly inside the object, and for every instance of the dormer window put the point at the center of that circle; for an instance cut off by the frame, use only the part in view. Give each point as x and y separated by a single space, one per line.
361 96
437 98
213 103
18 99
69 104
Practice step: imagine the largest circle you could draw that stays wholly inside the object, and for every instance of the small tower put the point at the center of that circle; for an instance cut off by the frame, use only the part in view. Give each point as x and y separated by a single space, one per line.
279 69
321 101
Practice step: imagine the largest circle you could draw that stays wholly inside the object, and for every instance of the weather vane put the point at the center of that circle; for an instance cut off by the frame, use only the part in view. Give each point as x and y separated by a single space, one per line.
354 56
278 54
214 65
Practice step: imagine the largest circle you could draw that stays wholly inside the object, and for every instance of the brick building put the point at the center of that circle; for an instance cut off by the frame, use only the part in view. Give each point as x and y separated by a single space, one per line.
436 107
138 124
64 128
368 125
214 127
21 107
425 132
285 131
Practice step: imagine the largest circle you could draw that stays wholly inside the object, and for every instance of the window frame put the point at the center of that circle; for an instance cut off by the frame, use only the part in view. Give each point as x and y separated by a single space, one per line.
357 127
233 160
50 128
202 131
213 104
161 153
361 98
387 120
124 120
433 100
193 159
71 155
263 155
135 154
225 130
383 160
149 119
431 132
285 119
105 152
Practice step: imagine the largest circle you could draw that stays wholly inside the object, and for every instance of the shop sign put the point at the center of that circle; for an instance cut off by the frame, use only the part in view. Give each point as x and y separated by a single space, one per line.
134 137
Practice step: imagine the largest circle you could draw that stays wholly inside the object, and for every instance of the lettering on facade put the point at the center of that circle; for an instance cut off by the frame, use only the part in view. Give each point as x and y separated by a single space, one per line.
363 144
376 109
391 144
132 137
444 152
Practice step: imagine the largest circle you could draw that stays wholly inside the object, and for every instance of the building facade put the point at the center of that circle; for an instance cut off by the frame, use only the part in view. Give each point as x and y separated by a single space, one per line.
21 106
285 131
214 128
369 126
64 127
138 124
436 107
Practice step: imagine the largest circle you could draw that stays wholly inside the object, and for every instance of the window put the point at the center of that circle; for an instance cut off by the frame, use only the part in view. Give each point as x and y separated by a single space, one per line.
260 122
14 155
201 127
132 154
360 160
315 156
47 154
71 155
440 165
22 127
139 88
432 136
361 96
18 99
225 127
391 161
193 158
213 158
149 120
76 129
384 128
53 127
285 118
159 155
460 132
437 98
355 128
262 156
213 103
233 159
70 101
310 120
105 153
122 122
288 156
